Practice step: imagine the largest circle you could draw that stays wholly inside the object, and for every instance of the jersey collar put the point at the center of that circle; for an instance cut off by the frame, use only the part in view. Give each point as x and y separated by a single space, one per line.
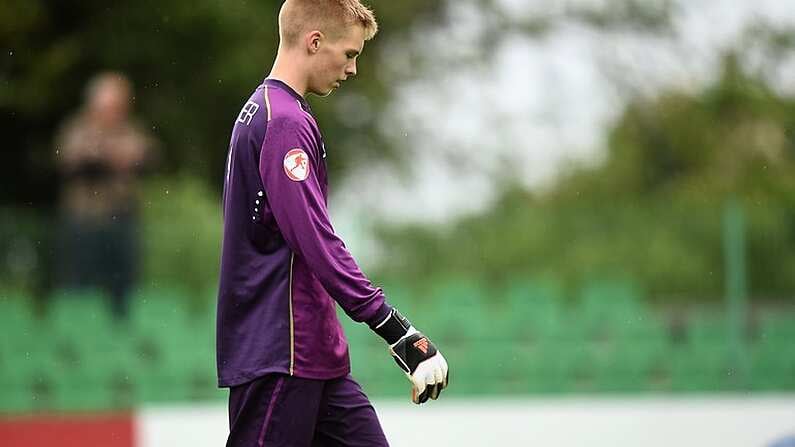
278 83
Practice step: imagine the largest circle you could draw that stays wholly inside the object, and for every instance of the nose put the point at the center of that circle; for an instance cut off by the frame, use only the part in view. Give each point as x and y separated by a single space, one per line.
350 70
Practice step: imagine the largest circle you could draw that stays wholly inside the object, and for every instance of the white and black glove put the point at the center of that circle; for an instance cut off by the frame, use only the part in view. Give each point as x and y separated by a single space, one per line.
424 365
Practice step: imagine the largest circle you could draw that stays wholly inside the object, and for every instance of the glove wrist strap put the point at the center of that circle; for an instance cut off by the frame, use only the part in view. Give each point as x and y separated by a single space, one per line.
394 327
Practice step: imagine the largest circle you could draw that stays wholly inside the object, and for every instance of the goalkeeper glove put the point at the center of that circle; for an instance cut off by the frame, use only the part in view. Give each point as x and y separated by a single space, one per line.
424 365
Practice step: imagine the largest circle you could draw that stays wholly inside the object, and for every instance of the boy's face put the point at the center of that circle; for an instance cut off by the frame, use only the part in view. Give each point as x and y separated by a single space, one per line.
335 61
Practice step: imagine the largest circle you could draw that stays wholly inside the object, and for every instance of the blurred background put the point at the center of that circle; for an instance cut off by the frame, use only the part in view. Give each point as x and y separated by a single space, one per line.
574 198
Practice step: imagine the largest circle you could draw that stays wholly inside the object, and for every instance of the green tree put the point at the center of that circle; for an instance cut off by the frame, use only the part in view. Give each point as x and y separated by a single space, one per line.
652 211
192 64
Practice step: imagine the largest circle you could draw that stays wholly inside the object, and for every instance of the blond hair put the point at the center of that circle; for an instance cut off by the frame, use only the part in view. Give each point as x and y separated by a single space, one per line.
331 17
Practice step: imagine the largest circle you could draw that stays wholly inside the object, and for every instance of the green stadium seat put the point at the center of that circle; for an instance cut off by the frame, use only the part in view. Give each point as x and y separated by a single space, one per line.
466 374
773 365
624 365
532 313
78 313
526 341
358 334
157 310
76 325
98 377
15 381
777 326
202 320
167 383
711 349
377 372
16 315
552 366
19 326
490 367
590 366
201 374
73 392
16 401
708 328
611 310
453 312
181 370
30 381
166 334
701 367
175 346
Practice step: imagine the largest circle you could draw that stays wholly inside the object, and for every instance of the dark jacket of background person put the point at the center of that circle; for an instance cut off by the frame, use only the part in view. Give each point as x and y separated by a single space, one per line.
101 154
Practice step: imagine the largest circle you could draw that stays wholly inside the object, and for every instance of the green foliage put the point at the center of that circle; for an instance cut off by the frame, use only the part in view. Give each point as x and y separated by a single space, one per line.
652 211
26 239
736 137
192 65
182 234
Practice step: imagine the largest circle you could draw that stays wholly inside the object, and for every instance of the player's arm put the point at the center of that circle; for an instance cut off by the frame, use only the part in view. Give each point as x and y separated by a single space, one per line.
296 200
288 171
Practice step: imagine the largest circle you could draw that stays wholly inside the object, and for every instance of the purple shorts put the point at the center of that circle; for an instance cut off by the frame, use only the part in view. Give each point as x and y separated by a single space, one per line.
281 410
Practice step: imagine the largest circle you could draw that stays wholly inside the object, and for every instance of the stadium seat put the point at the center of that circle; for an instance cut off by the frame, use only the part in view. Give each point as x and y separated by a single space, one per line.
532 313
701 367
453 312
358 335
777 326
30 382
19 325
375 370
157 309
552 365
76 323
527 341
175 346
81 390
708 327
78 312
202 318
628 365
16 315
772 366
610 310
160 325
490 368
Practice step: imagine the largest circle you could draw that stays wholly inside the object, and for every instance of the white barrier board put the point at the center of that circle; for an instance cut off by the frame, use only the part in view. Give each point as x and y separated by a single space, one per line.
658 421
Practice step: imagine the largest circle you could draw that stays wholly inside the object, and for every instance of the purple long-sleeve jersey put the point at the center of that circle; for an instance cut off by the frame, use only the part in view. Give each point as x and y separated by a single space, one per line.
282 265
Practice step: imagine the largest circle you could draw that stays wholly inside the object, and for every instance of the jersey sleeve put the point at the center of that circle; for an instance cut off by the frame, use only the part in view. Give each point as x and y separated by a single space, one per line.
288 169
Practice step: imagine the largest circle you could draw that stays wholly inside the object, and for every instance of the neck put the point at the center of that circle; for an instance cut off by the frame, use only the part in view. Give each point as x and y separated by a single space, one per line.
286 69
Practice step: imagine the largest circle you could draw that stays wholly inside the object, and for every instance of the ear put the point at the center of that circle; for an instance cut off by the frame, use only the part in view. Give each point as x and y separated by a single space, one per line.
313 41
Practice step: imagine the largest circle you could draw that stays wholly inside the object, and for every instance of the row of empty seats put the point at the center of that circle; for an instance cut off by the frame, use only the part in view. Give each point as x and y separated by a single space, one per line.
73 355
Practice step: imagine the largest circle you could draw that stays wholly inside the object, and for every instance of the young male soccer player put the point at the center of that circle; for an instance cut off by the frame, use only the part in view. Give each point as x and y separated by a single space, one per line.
281 349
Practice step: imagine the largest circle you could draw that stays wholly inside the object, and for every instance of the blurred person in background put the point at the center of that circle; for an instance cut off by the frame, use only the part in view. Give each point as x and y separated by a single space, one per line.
101 154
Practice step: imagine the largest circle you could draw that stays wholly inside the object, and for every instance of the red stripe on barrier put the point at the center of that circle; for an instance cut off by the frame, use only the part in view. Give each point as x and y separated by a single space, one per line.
90 430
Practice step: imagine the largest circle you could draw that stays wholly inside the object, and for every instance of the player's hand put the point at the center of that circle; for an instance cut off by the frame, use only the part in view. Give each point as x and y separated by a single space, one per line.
424 365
